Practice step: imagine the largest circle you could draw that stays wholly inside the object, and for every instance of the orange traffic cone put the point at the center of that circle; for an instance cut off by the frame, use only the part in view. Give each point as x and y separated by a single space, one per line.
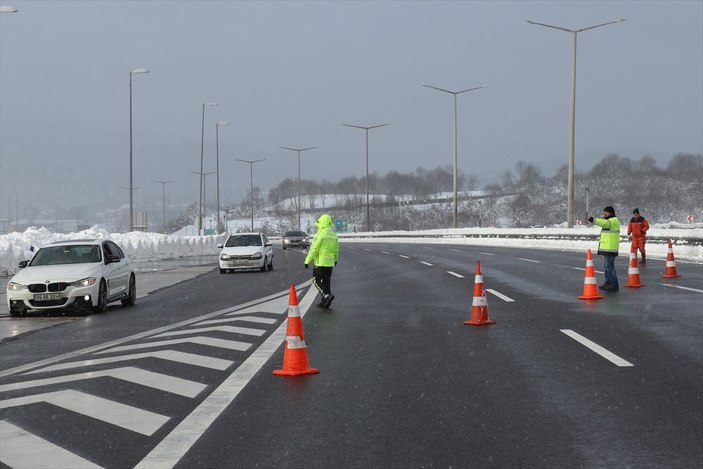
590 287
670 271
295 353
479 307
633 273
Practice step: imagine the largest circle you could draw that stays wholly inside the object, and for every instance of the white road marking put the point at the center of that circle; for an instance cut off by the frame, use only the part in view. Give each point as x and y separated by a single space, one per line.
455 274
682 288
403 256
500 295
172 355
487 253
243 318
258 305
583 270
172 384
172 448
22 449
229 329
426 263
208 341
367 249
385 252
131 418
528 260
608 355
456 250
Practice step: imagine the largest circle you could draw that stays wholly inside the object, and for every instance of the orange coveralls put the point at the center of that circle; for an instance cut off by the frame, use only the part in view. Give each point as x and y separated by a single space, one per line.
638 229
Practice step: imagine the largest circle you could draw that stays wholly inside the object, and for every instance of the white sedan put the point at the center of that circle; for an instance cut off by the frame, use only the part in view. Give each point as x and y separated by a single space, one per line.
84 274
246 251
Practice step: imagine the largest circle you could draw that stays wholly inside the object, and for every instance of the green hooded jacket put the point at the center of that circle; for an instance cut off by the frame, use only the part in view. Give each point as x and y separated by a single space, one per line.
324 250
609 236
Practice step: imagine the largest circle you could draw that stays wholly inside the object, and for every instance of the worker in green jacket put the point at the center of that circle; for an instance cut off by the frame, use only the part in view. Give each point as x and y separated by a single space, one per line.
608 246
324 252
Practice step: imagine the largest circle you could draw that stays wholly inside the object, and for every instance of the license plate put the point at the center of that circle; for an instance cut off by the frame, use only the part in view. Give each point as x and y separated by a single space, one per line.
47 296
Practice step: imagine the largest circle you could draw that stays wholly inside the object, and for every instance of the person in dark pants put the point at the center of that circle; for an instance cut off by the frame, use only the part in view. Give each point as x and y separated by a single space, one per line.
608 246
324 252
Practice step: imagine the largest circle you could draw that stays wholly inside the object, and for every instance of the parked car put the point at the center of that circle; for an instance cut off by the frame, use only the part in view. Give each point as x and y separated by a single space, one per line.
245 251
295 238
84 275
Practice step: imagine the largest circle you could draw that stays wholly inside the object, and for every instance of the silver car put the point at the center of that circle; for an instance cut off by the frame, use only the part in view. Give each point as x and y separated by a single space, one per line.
245 251
83 274
295 239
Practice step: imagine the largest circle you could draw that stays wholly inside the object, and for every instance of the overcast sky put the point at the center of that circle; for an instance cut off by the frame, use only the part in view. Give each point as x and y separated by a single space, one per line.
289 73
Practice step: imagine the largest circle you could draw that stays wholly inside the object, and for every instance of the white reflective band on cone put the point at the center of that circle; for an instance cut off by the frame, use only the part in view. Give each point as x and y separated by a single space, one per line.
479 301
295 341
589 263
479 279
633 270
589 280
670 264
293 311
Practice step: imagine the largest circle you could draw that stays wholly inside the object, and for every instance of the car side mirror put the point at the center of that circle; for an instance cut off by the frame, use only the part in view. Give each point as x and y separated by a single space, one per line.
23 264
220 246
269 244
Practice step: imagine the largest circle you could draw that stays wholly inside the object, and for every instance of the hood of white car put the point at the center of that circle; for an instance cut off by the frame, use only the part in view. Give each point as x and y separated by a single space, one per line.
242 250
55 273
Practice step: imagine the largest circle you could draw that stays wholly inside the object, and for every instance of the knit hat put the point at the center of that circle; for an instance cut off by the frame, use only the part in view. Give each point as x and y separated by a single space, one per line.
637 211
609 209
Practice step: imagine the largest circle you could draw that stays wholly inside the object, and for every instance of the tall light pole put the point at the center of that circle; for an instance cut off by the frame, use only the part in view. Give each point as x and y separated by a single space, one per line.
163 199
368 211
202 181
202 148
572 119
217 157
455 211
137 71
251 184
298 150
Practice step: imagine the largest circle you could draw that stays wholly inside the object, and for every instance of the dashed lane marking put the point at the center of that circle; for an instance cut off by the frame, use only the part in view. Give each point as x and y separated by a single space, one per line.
583 270
426 263
682 288
500 295
23 449
487 253
529 260
403 256
455 274
242 318
608 355
131 418
385 252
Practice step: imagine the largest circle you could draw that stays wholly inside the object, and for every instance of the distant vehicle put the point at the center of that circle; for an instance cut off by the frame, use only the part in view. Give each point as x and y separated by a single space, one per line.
295 238
246 251
84 275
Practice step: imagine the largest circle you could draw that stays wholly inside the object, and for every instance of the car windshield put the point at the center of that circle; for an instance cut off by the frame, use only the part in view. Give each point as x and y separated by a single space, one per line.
74 254
243 240
294 233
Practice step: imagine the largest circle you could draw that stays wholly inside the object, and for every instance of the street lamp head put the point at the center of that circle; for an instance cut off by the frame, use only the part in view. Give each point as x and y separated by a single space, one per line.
7 9
137 71
223 123
211 103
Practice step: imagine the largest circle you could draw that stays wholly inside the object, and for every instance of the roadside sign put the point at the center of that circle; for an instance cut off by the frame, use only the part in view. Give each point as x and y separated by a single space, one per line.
341 225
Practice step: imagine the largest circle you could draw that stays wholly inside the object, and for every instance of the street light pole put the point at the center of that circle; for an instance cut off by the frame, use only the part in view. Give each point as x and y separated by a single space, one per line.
455 211
251 184
137 71
366 129
217 155
572 115
202 148
298 150
163 199
202 180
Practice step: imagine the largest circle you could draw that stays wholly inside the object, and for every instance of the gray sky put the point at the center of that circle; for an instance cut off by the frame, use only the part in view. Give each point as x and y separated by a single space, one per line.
290 73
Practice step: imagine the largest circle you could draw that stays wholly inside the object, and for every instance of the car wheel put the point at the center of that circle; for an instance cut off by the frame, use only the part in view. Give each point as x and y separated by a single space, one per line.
17 314
102 298
284 248
263 267
223 271
132 293
271 263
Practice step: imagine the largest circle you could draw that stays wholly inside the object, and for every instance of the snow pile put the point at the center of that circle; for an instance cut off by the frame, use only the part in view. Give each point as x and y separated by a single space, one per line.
139 246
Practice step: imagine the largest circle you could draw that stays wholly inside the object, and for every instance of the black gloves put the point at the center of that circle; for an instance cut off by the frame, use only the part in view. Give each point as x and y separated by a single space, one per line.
335 263
590 219
306 266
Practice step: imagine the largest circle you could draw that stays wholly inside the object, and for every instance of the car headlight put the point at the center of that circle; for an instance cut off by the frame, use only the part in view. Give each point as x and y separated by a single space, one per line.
286 241
86 282
225 257
12 286
256 255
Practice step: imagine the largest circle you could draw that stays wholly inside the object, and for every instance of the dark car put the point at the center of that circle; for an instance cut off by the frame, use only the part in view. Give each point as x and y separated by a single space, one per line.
295 239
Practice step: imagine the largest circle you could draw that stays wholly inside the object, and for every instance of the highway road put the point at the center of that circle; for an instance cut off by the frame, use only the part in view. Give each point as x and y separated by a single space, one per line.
184 379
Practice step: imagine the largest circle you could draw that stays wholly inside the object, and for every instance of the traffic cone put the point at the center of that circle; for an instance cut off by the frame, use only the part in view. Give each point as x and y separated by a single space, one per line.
670 271
590 287
295 352
479 307
633 272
